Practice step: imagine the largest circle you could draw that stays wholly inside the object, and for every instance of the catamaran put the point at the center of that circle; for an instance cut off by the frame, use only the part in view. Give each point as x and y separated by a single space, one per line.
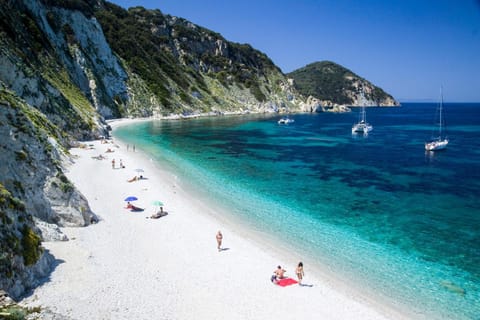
285 120
440 141
362 126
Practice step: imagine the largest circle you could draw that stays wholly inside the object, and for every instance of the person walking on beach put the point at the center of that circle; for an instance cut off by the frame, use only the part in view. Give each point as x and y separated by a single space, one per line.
299 272
113 164
219 240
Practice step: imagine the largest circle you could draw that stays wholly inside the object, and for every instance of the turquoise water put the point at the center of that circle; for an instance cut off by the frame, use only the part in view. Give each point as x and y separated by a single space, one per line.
378 210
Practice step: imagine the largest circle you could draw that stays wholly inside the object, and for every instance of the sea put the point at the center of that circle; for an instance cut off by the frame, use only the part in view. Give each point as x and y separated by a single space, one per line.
376 210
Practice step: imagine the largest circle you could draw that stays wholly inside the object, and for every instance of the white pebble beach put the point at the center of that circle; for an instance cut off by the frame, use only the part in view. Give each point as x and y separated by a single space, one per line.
128 266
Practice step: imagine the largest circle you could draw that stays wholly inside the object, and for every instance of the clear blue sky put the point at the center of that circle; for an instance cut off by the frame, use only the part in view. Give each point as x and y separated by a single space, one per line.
407 47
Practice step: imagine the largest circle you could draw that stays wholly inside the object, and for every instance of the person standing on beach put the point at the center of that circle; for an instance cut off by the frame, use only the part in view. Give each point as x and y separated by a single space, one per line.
219 240
299 272
113 164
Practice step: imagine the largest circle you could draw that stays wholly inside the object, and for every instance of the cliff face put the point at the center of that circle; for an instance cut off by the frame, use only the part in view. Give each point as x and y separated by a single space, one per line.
33 188
22 260
58 61
187 69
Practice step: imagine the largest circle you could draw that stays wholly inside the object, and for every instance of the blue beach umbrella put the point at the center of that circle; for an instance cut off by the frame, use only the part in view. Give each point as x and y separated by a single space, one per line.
131 198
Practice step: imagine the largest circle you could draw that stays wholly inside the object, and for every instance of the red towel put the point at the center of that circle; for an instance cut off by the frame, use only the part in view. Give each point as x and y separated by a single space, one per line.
286 282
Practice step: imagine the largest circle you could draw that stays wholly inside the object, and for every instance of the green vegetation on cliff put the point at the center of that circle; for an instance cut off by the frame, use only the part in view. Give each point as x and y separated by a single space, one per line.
30 121
130 37
174 57
329 81
24 42
16 234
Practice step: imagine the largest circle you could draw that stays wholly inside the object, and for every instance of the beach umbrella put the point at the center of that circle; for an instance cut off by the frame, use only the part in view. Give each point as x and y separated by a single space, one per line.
131 198
157 203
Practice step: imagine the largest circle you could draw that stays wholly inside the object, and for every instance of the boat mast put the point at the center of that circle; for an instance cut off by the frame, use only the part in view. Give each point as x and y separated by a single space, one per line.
363 113
440 124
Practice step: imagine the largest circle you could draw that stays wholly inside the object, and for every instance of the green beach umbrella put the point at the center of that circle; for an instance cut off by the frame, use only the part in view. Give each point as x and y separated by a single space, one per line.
157 203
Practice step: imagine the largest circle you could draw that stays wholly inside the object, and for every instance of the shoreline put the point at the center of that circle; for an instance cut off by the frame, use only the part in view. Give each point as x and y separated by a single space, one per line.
275 246
127 266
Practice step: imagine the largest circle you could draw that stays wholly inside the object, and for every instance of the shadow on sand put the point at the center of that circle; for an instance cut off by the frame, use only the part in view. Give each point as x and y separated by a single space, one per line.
306 285
53 265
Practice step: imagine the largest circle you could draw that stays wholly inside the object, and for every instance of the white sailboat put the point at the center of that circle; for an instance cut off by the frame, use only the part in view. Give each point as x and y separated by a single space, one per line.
362 126
285 120
440 141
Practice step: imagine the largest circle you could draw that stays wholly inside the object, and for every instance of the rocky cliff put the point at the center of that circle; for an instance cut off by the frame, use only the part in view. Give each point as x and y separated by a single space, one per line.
183 68
33 189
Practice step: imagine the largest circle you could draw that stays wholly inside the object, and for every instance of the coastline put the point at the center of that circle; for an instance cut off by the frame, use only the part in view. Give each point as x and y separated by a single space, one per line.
127 266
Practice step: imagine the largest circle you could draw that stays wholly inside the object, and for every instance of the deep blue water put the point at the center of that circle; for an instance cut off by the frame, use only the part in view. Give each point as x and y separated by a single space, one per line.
377 210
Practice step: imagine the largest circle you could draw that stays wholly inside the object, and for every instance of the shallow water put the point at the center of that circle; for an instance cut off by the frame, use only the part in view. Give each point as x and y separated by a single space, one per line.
378 210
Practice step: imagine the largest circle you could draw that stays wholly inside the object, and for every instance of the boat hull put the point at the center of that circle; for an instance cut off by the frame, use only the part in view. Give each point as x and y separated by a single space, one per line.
362 128
285 121
436 145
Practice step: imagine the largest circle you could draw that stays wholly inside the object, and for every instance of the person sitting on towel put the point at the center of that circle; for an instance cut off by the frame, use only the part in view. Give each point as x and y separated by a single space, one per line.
278 274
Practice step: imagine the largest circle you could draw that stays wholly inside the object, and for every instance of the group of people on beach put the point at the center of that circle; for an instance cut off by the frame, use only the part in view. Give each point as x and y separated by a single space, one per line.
278 273
122 166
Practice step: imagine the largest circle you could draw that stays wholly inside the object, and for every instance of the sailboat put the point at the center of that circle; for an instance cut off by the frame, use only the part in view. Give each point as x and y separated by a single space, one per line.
362 126
439 142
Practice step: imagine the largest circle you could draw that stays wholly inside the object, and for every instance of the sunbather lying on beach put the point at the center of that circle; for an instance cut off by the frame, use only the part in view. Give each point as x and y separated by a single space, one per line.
132 207
158 214
135 179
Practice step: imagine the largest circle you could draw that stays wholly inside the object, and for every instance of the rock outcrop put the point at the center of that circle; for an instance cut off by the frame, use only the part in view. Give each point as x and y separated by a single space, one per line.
337 87
33 188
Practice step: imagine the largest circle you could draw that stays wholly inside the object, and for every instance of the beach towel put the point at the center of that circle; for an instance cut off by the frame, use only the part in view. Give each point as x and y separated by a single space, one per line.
286 282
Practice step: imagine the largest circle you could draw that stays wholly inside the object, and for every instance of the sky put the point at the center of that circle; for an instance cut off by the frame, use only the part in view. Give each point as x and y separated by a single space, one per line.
409 48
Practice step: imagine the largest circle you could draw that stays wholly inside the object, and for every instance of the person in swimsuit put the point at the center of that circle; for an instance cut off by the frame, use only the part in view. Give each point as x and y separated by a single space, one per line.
299 272
278 274
219 237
